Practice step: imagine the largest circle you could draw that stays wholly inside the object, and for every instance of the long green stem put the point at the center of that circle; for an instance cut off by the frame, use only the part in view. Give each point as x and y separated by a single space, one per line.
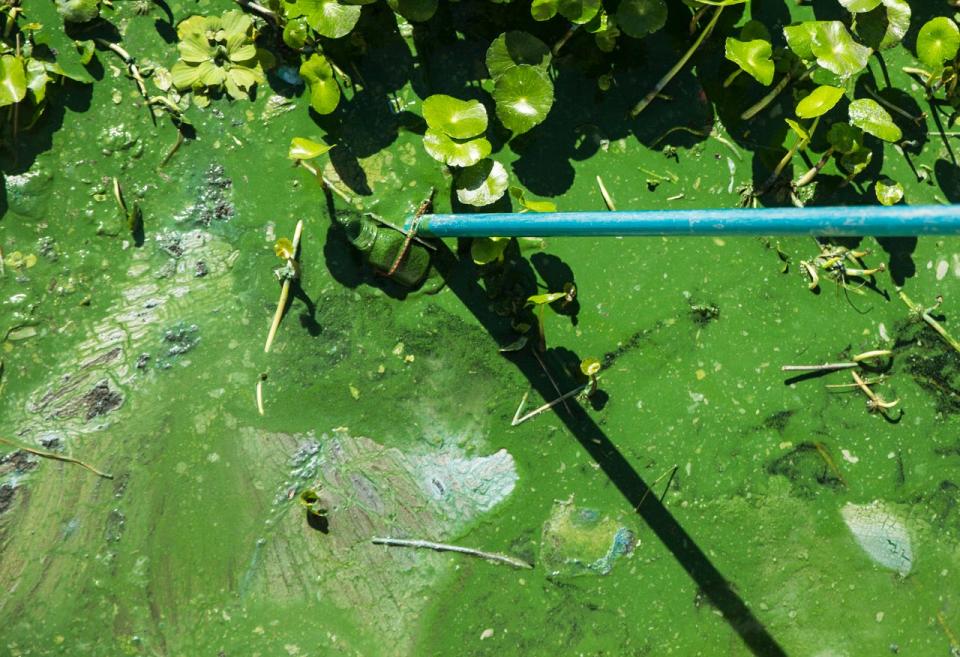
772 96
665 80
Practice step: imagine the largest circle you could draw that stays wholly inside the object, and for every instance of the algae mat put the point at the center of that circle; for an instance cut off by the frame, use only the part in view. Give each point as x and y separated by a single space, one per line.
795 523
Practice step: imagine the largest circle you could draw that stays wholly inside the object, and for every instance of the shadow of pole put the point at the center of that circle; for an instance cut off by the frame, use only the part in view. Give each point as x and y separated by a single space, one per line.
460 276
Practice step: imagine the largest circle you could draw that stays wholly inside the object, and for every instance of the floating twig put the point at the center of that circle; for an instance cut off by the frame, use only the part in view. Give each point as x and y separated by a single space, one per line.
546 407
445 547
56 457
606 195
671 473
260 380
258 8
284 291
856 361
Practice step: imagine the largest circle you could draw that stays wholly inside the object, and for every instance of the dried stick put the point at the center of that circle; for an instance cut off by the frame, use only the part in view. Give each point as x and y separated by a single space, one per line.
284 292
57 457
546 407
445 547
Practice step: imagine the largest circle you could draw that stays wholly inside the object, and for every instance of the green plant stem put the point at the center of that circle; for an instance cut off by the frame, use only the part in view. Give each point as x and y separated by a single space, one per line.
257 8
770 97
924 314
808 177
56 457
284 292
665 80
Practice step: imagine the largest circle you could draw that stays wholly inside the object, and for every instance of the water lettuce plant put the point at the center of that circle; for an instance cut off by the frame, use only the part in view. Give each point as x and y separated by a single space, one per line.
217 53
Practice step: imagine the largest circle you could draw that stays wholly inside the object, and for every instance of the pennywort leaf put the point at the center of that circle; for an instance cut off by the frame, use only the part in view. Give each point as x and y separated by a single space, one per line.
869 116
321 83
888 191
638 18
754 57
524 96
482 184
13 80
515 48
302 148
836 51
938 42
859 6
455 152
820 101
458 119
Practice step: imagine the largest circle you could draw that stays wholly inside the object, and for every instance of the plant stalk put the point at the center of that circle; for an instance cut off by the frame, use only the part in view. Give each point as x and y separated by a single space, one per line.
56 457
772 96
665 80
284 292
446 547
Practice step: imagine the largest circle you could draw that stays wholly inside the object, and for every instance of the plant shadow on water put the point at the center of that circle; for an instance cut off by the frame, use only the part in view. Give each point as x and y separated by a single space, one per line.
460 276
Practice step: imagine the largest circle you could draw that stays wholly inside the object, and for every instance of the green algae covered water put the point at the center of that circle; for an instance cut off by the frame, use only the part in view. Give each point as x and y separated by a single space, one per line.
781 517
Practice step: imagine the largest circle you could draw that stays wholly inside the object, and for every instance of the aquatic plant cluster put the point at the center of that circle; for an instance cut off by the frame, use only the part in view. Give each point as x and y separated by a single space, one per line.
820 62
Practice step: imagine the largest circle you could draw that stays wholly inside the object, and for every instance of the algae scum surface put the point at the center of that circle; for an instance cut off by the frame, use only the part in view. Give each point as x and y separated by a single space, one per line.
794 522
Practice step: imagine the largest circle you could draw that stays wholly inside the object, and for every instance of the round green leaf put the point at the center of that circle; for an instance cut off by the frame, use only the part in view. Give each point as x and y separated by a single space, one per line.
482 184
836 51
524 96
13 80
859 6
302 148
579 11
295 33
78 11
754 57
455 152
324 90
820 101
484 250
544 10
857 161
459 119
36 77
885 26
754 30
845 138
328 17
938 42
414 10
800 38
888 191
638 18
514 48
869 116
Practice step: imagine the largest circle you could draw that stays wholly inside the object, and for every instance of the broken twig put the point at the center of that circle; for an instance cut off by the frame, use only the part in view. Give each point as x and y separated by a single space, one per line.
56 457
445 547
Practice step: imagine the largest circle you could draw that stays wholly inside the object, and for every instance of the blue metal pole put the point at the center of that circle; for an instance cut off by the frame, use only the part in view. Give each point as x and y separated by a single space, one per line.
875 220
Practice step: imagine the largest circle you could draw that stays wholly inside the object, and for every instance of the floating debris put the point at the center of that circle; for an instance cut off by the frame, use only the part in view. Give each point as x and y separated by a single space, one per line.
881 534
579 541
445 547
